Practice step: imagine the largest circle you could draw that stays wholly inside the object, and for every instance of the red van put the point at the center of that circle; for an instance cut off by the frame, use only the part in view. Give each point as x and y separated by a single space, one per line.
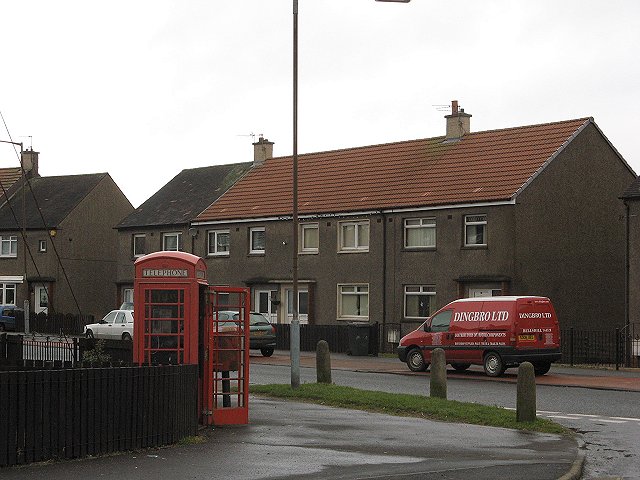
496 332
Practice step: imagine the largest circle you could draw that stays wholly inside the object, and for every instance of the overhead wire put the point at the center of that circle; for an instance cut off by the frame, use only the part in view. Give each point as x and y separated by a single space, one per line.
44 223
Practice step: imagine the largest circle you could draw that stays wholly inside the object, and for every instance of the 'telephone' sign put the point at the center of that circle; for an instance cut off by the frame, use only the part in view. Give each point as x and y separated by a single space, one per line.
164 272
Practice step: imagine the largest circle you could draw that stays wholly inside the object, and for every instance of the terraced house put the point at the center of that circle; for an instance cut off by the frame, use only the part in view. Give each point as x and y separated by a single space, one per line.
163 221
388 233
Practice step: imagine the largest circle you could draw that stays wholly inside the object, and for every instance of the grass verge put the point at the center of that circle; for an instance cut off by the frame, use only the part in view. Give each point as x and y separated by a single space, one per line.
408 406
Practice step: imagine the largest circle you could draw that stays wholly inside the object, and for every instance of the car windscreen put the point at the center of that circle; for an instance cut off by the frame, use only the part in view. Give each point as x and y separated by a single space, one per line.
255 319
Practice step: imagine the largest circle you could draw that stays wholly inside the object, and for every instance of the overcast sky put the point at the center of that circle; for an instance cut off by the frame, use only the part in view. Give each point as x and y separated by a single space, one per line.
143 89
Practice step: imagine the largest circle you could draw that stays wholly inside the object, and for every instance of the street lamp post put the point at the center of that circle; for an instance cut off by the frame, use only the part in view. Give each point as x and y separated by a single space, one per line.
294 347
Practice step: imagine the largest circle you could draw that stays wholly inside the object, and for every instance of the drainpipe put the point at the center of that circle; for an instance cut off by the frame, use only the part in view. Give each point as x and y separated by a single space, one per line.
626 278
382 341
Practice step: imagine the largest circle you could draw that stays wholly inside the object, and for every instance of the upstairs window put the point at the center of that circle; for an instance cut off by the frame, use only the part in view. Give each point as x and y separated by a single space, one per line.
420 232
353 236
475 230
138 243
309 238
257 240
219 243
172 242
8 246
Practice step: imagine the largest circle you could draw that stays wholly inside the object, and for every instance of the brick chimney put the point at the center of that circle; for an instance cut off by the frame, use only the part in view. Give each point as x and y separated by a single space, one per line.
30 162
262 150
458 123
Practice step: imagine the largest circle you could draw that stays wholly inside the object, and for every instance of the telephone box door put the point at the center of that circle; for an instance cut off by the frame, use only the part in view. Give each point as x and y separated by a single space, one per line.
225 386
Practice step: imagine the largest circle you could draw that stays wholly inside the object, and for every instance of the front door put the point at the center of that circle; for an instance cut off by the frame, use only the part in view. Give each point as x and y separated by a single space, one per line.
266 305
303 305
41 299
483 292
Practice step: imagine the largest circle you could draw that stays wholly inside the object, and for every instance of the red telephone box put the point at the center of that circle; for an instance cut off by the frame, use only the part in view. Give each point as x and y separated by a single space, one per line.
177 320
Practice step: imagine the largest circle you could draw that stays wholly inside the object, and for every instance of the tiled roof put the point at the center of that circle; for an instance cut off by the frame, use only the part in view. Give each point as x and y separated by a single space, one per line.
483 166
56 197
185 196
8 176
633 191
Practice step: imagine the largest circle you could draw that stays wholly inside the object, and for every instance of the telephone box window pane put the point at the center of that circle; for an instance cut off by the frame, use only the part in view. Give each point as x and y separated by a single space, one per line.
165 296
164 311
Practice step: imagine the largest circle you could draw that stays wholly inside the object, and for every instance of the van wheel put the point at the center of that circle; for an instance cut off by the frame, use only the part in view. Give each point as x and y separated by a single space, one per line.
415 361
126 337
493 365
540 368
460 367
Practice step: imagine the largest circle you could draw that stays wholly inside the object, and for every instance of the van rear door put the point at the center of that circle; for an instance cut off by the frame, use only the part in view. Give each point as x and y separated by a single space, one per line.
537 324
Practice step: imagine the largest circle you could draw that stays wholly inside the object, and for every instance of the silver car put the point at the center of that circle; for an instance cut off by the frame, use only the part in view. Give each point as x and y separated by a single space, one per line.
116 325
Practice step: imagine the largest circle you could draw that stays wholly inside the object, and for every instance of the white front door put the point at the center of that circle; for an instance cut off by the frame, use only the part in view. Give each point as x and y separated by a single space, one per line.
483 292
264 304
303 305
41 299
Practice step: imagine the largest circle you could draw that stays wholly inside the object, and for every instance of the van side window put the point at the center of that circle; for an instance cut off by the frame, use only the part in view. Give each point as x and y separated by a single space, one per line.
440 323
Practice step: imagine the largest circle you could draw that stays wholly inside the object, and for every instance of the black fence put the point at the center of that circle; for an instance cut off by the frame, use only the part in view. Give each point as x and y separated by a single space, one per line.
31 351
57 323
355 339
72 413
619 347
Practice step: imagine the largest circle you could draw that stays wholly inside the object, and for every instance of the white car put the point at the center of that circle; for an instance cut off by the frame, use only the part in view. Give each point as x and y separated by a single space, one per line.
116 325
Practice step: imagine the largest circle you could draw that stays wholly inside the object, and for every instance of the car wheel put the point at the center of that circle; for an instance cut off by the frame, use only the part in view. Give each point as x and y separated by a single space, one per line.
540 368
266 351
415 360
126 337
460 367
493 364
89 334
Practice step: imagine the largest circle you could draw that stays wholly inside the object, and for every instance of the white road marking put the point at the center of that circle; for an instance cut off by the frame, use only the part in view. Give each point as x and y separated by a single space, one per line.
583 416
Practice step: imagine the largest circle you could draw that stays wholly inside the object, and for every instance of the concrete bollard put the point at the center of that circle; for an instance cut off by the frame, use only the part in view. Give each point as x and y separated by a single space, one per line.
323 362
438 386
526 401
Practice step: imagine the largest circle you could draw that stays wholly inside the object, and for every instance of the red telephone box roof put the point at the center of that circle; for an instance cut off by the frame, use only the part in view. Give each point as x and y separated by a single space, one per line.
171 264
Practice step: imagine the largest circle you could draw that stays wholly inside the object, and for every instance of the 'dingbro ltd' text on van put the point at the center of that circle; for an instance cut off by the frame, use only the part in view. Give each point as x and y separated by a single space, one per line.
495 332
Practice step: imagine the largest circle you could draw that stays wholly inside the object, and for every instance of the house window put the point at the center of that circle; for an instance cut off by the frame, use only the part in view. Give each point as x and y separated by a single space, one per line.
139 241
309 238
42 246
475 230
219 242
419 301
172 242
8 293
420 232
353 236
353 301
257 239
9 246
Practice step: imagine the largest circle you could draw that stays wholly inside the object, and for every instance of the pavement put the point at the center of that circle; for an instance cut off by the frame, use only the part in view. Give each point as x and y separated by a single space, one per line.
287 440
